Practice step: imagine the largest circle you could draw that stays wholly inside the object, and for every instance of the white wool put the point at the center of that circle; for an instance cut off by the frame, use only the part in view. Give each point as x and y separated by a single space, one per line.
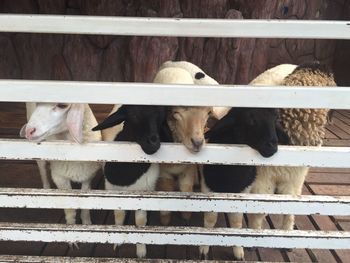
192 69
110 133
218 112
63 172
173 75
273 76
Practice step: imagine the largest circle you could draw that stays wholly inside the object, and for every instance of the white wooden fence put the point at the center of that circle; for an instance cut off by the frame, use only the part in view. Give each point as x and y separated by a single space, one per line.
141 93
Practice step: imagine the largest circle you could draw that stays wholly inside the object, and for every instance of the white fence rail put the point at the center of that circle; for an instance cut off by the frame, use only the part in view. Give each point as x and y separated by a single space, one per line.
174 236
163 94
174 153
142 93
182 27
164 201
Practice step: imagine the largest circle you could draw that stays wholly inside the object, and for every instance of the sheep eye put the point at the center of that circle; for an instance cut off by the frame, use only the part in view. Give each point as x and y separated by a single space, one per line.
62 105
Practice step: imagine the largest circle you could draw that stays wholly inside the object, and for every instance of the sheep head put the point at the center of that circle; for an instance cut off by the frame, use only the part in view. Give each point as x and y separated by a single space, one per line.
55 118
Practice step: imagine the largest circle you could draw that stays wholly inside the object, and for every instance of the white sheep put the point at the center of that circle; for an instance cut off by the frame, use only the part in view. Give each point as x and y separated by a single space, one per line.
42 165
71 122
304 127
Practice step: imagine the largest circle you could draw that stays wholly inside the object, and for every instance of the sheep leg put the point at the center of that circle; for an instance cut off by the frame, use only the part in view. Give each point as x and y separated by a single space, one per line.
85 213
255 220
210 219
186 182
293 188
263 185
141 220
166 182
119 217
42 165
70 214
235 220
64 183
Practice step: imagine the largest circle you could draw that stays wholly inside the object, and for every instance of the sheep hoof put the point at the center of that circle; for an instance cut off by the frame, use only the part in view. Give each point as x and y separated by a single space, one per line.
238 253
204 257
203 252
115 247
141 250
238 259
46 185
86 221
73 246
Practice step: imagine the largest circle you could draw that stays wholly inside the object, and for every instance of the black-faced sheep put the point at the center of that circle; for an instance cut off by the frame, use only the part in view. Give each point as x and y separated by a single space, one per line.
260 130
142 124
305 127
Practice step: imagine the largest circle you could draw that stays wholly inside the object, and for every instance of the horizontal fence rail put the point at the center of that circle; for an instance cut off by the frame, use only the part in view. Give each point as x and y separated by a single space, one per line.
174 236
180 27
164 201
173 153
46 259
165 94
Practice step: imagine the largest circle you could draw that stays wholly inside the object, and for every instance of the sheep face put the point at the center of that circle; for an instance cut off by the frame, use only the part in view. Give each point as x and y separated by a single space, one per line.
259 128
146 123
142 124
52 119
188 125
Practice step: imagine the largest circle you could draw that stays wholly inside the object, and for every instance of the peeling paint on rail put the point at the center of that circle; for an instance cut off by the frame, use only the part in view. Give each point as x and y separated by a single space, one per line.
173 153
175 201
174 236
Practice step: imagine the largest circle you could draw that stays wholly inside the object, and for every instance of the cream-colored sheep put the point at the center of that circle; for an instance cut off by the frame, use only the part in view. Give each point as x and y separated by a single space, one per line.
304 127
187 125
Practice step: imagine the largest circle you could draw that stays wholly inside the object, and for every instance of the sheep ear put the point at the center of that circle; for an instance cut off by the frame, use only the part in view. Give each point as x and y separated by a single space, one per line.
212 120
114 119
282 136
227 121
75 117
22 132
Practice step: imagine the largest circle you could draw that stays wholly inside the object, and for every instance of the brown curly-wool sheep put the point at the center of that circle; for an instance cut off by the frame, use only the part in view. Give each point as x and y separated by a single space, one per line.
305 127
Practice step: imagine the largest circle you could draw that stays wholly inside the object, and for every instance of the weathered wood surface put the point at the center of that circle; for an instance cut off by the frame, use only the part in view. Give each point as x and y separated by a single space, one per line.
112 58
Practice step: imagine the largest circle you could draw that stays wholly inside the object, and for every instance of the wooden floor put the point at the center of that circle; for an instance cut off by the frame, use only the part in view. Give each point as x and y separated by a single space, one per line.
319 182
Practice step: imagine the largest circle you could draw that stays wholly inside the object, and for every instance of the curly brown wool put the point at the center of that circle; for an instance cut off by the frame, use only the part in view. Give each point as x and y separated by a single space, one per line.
306 127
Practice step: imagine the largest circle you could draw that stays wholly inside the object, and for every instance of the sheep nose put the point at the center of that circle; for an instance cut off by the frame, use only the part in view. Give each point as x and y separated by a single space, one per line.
30 131
153 139
197 143
271 144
